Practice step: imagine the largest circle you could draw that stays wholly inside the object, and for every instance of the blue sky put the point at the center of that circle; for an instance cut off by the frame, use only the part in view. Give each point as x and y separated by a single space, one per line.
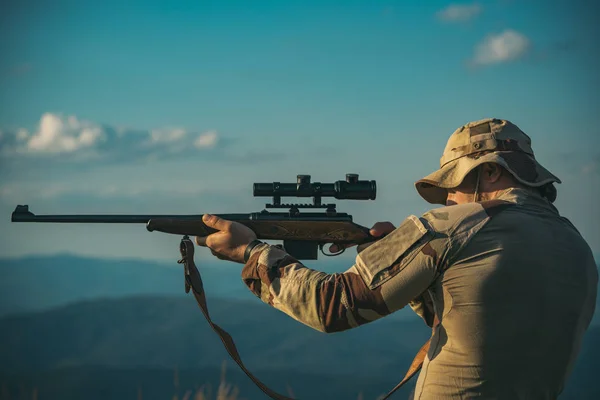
178 107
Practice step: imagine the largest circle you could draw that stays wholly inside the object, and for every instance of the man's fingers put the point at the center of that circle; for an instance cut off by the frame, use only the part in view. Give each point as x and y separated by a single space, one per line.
362 247
382 228
215 222
219 256
334 248
201 240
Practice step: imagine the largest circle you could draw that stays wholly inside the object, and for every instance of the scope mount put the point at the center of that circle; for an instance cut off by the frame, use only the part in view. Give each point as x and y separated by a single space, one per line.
294 208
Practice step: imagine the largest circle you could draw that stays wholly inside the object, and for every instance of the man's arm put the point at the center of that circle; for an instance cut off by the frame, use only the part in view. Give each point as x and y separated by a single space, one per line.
385 277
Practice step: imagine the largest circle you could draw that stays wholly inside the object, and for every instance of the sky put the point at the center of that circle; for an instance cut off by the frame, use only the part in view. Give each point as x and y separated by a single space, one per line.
178 107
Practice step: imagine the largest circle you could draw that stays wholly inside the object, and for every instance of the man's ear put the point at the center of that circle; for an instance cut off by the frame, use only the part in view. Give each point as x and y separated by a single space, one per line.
491 172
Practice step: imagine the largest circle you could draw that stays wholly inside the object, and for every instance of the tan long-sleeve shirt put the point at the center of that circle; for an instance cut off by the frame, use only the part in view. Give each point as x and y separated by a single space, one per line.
512 283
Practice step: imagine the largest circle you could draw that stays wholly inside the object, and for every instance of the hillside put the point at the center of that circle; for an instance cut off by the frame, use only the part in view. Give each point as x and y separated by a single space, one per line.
86 327
39 283
171 332
42 282
98 383
110 348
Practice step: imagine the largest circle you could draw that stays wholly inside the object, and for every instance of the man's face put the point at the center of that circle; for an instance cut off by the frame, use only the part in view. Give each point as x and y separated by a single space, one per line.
465 192
457 196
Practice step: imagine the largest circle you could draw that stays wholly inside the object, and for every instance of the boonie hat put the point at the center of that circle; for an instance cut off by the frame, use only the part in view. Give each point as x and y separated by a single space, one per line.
488 140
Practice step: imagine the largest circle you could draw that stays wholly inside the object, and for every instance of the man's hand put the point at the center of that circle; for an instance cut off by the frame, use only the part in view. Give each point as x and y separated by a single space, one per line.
379 229
231 240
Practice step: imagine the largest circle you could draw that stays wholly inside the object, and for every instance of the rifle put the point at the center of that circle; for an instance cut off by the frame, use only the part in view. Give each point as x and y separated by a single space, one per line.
303 234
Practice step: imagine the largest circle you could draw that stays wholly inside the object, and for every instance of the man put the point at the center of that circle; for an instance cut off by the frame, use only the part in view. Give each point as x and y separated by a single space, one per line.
507 284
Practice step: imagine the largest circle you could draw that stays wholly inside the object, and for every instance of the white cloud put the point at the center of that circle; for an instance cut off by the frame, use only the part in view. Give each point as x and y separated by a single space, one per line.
206 140
506 46
459 12
62 135
71 138
167 135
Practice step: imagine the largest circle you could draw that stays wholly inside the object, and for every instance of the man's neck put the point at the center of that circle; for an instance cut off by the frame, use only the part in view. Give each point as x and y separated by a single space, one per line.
491 195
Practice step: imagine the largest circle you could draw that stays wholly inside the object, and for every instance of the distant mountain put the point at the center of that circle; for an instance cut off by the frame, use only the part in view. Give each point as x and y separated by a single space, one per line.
76 327
113 346
171 332
43 282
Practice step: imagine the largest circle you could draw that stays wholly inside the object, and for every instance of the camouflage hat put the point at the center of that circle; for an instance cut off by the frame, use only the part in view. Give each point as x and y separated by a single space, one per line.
487 140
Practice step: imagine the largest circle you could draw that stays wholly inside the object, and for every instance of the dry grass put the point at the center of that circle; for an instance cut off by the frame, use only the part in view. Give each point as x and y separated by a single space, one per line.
225 390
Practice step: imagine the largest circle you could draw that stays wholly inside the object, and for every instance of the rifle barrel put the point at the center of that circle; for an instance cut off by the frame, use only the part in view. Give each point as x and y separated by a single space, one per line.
22 214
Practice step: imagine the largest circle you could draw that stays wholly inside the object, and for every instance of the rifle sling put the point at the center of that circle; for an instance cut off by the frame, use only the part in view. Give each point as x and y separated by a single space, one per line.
193 281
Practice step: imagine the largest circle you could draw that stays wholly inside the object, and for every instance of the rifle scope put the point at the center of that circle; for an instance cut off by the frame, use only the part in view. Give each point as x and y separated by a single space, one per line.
350 189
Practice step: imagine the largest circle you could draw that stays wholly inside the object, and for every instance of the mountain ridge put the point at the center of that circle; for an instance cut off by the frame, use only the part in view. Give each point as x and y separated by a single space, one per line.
86 332
168 333
43 282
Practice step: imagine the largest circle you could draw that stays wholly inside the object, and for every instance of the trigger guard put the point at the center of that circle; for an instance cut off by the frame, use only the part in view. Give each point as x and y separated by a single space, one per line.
321 246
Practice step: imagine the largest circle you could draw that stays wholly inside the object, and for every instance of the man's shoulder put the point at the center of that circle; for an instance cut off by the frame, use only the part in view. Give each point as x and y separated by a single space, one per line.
461 217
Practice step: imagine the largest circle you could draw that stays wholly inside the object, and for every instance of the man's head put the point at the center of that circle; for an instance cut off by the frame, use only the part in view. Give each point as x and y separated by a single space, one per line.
483 183
483 158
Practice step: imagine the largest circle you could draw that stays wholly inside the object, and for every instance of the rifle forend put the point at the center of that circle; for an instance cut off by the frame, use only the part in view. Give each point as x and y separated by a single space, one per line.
303 234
